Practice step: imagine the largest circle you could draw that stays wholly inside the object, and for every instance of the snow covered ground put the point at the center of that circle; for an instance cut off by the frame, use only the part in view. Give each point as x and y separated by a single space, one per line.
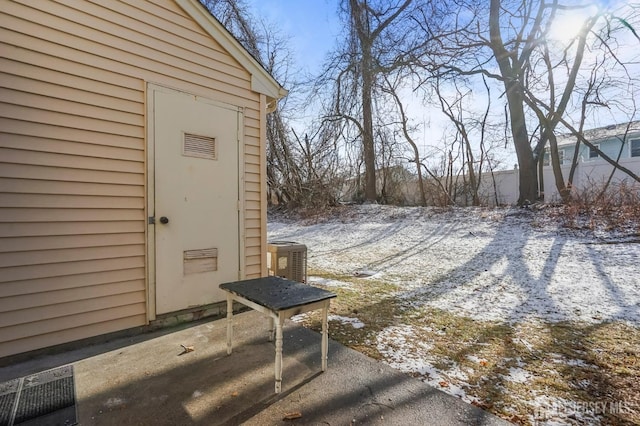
506 265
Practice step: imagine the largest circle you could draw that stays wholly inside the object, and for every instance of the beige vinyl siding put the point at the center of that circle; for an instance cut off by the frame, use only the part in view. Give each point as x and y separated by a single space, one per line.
29 301
59 242
75 215
75 327
32 287
255 218
44 144
72 158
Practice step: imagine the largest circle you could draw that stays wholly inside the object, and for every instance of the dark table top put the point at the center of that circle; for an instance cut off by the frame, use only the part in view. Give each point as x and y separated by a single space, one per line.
277 293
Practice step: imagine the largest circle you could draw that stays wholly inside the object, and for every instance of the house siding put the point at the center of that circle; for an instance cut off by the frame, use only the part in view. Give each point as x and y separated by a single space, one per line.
611 148
73 77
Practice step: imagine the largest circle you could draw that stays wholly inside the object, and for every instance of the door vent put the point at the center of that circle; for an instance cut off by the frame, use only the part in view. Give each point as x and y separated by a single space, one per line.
203 260
199 146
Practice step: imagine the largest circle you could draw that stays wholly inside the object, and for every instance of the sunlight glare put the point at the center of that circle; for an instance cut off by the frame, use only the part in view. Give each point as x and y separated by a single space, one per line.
568 23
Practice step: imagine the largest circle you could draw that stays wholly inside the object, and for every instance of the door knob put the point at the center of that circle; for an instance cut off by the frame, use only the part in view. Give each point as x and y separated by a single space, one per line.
164 220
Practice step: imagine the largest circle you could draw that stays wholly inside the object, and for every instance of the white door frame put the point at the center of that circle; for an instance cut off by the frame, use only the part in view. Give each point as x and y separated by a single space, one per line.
151 88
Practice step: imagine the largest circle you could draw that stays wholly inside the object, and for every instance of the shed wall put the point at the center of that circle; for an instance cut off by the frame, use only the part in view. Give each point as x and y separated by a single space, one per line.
73 75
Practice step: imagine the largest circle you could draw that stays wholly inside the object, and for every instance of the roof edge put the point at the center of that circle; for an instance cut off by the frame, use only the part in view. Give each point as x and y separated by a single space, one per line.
261 80
597 134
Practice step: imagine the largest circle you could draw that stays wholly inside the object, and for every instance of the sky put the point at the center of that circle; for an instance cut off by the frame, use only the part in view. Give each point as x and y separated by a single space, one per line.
312 26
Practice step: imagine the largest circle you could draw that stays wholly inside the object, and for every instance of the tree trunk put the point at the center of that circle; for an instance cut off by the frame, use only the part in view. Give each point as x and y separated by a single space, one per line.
541 177
367 124
360 20
473 184
557 170
528 182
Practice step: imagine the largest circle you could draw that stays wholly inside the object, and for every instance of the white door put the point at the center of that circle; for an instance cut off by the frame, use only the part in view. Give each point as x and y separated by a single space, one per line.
196 200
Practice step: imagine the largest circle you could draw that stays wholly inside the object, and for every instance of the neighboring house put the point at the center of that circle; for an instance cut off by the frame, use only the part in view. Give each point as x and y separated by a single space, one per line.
132 165
613 140
591 170
616 141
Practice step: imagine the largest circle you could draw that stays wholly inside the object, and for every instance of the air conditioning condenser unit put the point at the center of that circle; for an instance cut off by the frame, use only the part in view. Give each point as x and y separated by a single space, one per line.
287 259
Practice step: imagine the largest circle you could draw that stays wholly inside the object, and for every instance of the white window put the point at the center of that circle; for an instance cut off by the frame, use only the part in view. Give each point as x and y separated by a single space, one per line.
592 152
635 147
547 157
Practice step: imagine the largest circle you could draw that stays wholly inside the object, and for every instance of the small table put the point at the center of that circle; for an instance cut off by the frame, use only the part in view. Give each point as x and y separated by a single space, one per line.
280 299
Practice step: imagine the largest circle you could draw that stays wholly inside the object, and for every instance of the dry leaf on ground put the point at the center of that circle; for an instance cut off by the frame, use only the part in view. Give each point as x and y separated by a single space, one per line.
292 416
188 349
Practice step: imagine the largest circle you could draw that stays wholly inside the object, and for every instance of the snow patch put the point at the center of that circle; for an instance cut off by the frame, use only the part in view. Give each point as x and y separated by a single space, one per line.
326 282
518 375
355 322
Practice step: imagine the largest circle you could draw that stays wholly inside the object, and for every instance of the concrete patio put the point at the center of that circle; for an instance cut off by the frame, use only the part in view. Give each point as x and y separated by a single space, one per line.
149 379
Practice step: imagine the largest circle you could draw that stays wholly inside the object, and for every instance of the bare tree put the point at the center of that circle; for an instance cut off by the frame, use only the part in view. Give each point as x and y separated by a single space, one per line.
392 88
507 43
368 23
301 171
454 111
375 44
538 88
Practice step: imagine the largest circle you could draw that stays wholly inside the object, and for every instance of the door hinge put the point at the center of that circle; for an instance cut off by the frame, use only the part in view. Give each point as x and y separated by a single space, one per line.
238 205
152 220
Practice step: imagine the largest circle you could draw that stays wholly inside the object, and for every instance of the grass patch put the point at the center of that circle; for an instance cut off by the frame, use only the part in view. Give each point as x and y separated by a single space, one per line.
508 369
371 301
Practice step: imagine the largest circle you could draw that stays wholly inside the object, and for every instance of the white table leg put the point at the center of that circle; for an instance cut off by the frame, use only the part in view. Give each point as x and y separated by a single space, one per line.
325 337
229 323
279 326
272 329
